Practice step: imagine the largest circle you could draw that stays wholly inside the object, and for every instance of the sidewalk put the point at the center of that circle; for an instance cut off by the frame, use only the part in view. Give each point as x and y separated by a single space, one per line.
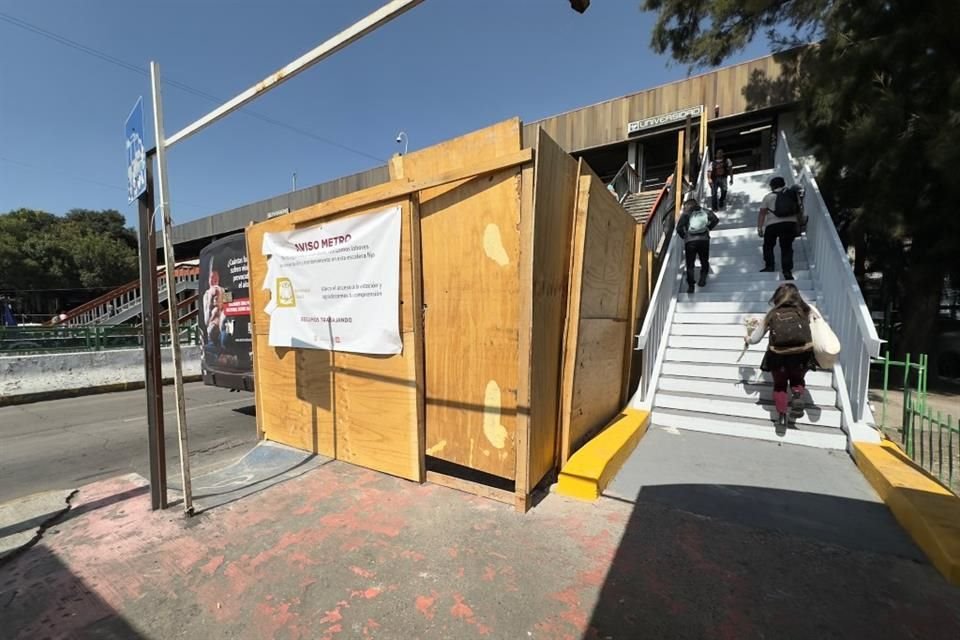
343 552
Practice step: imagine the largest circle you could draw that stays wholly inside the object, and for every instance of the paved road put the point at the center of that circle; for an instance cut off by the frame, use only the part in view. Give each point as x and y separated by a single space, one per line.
70 442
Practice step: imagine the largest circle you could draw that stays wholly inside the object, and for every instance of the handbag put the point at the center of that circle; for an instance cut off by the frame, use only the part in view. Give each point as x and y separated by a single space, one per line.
826 345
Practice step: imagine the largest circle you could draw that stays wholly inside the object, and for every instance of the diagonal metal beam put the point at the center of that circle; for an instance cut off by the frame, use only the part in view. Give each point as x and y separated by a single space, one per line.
378 18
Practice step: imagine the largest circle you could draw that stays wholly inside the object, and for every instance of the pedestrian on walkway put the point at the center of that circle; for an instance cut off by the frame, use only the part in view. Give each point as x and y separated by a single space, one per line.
720 171
694 227
789 350
781 214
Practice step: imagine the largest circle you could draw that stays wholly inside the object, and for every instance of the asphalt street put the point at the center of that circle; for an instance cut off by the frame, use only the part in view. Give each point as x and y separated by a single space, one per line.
62 444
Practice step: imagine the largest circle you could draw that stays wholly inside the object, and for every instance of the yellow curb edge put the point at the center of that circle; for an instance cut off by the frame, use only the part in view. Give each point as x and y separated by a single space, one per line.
589 470
927 510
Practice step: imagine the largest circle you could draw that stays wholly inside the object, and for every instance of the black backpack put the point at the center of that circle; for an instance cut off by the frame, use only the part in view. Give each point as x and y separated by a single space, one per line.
789 330
788 203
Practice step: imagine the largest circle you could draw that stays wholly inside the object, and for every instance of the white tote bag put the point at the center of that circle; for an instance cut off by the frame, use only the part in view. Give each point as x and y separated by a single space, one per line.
826 345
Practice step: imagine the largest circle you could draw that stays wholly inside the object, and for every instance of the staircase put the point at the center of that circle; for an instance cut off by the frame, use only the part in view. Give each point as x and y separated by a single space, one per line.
640 205
695 374
123 303
705 384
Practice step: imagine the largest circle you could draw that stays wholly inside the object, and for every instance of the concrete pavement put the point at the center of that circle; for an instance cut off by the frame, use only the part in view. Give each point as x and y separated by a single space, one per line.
344 552
66 443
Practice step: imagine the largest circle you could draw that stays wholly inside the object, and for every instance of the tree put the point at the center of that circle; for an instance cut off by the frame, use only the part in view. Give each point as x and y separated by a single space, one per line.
879 105
84 249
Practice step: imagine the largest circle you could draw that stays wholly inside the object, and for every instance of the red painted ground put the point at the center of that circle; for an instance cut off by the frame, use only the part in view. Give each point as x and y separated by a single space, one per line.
347 553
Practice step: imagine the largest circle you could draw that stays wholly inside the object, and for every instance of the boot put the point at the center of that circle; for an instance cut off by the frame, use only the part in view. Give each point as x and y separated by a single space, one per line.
703 280
787 275
767 270
796 405
691 288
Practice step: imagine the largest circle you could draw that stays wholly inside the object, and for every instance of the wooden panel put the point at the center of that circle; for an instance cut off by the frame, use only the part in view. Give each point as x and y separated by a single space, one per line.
555 198
608 251
376 411
599 376
359 408
295 402
605 123
471 290
603 277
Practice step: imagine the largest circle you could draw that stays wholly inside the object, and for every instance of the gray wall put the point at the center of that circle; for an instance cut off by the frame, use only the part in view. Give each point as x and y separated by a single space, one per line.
236 219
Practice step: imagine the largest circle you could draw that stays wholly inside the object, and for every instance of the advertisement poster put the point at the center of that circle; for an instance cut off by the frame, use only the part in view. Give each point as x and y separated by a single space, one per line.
225 308
336 286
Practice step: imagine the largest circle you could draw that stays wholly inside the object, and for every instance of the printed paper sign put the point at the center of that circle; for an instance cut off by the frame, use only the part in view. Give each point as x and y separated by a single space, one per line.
336 286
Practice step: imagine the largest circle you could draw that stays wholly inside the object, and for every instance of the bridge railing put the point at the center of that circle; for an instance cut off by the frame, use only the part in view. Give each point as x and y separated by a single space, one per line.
840 300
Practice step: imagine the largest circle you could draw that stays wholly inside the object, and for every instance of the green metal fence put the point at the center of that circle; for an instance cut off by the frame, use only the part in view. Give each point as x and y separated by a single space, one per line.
931 438
25 340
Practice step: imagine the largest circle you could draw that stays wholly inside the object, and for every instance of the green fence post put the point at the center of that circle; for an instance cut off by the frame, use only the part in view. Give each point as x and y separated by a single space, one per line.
886 383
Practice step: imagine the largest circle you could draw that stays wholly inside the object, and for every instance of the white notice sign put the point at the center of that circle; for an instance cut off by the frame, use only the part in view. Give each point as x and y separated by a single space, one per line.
337 285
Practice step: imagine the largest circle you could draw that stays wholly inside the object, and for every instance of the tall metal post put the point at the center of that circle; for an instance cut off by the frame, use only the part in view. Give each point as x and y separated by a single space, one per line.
153 374
168 258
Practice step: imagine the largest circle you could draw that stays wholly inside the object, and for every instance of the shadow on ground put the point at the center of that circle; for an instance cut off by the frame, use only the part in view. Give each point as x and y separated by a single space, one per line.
724 561
40 597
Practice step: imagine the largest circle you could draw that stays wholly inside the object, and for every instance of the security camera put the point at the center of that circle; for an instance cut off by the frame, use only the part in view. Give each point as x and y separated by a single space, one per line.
399 139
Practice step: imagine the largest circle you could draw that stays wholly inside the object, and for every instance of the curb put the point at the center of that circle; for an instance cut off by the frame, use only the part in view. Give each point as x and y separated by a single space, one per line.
589 470
927 510
57 394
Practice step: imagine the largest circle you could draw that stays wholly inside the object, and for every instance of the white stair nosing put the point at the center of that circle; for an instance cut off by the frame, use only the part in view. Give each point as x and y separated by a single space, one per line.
713 343
741 392
817 439
707 294
829 416
821 379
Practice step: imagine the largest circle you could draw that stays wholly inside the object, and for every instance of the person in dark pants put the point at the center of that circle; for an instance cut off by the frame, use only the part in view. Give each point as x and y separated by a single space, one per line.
789 350
720 171
694 227
781 213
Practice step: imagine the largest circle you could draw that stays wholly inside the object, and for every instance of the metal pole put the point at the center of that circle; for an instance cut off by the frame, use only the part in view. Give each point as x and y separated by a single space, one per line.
168 259
354 32
294 181
153 374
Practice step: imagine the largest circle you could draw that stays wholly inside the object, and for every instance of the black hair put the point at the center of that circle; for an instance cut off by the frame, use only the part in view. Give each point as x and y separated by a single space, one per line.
777 183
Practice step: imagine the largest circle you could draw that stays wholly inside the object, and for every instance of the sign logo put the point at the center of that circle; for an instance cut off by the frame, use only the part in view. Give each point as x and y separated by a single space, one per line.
667 118
285 295
136 154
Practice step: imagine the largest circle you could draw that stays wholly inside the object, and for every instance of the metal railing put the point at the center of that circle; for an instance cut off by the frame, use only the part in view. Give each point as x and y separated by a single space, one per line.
840 299
626 181
652 339
27 340
123 298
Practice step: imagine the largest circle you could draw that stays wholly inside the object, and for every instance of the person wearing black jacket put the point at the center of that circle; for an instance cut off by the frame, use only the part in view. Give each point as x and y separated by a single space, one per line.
694 227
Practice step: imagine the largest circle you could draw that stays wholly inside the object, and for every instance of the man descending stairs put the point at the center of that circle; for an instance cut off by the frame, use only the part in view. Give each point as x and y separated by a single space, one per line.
708 382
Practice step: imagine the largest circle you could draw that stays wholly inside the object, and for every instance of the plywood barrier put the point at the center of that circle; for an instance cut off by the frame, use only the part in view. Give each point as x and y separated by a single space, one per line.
603 308
485 288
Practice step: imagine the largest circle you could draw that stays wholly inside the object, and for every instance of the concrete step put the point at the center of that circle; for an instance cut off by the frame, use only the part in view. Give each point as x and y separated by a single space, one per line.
801 436
741 391
748 271
752 358
710 294
714 318
738 373
757 306
762 286
817 416
713 342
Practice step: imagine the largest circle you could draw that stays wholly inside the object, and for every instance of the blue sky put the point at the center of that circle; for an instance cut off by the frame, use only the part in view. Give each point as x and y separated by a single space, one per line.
445 68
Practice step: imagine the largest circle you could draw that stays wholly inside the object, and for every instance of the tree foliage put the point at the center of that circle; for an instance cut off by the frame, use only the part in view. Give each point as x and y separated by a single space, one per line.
879 105
83 249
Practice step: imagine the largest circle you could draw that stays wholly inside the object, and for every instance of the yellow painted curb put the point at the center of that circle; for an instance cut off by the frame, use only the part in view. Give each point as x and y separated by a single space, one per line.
589 470
925 508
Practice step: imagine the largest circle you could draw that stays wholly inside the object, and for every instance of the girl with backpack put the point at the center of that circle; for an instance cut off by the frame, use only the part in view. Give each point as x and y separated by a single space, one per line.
790 349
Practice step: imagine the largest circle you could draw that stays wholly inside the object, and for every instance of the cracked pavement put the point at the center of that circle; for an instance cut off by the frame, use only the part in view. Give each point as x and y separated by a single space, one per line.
72 441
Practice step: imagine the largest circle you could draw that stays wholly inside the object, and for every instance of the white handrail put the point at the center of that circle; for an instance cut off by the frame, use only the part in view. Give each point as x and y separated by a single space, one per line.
656 325
840 299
